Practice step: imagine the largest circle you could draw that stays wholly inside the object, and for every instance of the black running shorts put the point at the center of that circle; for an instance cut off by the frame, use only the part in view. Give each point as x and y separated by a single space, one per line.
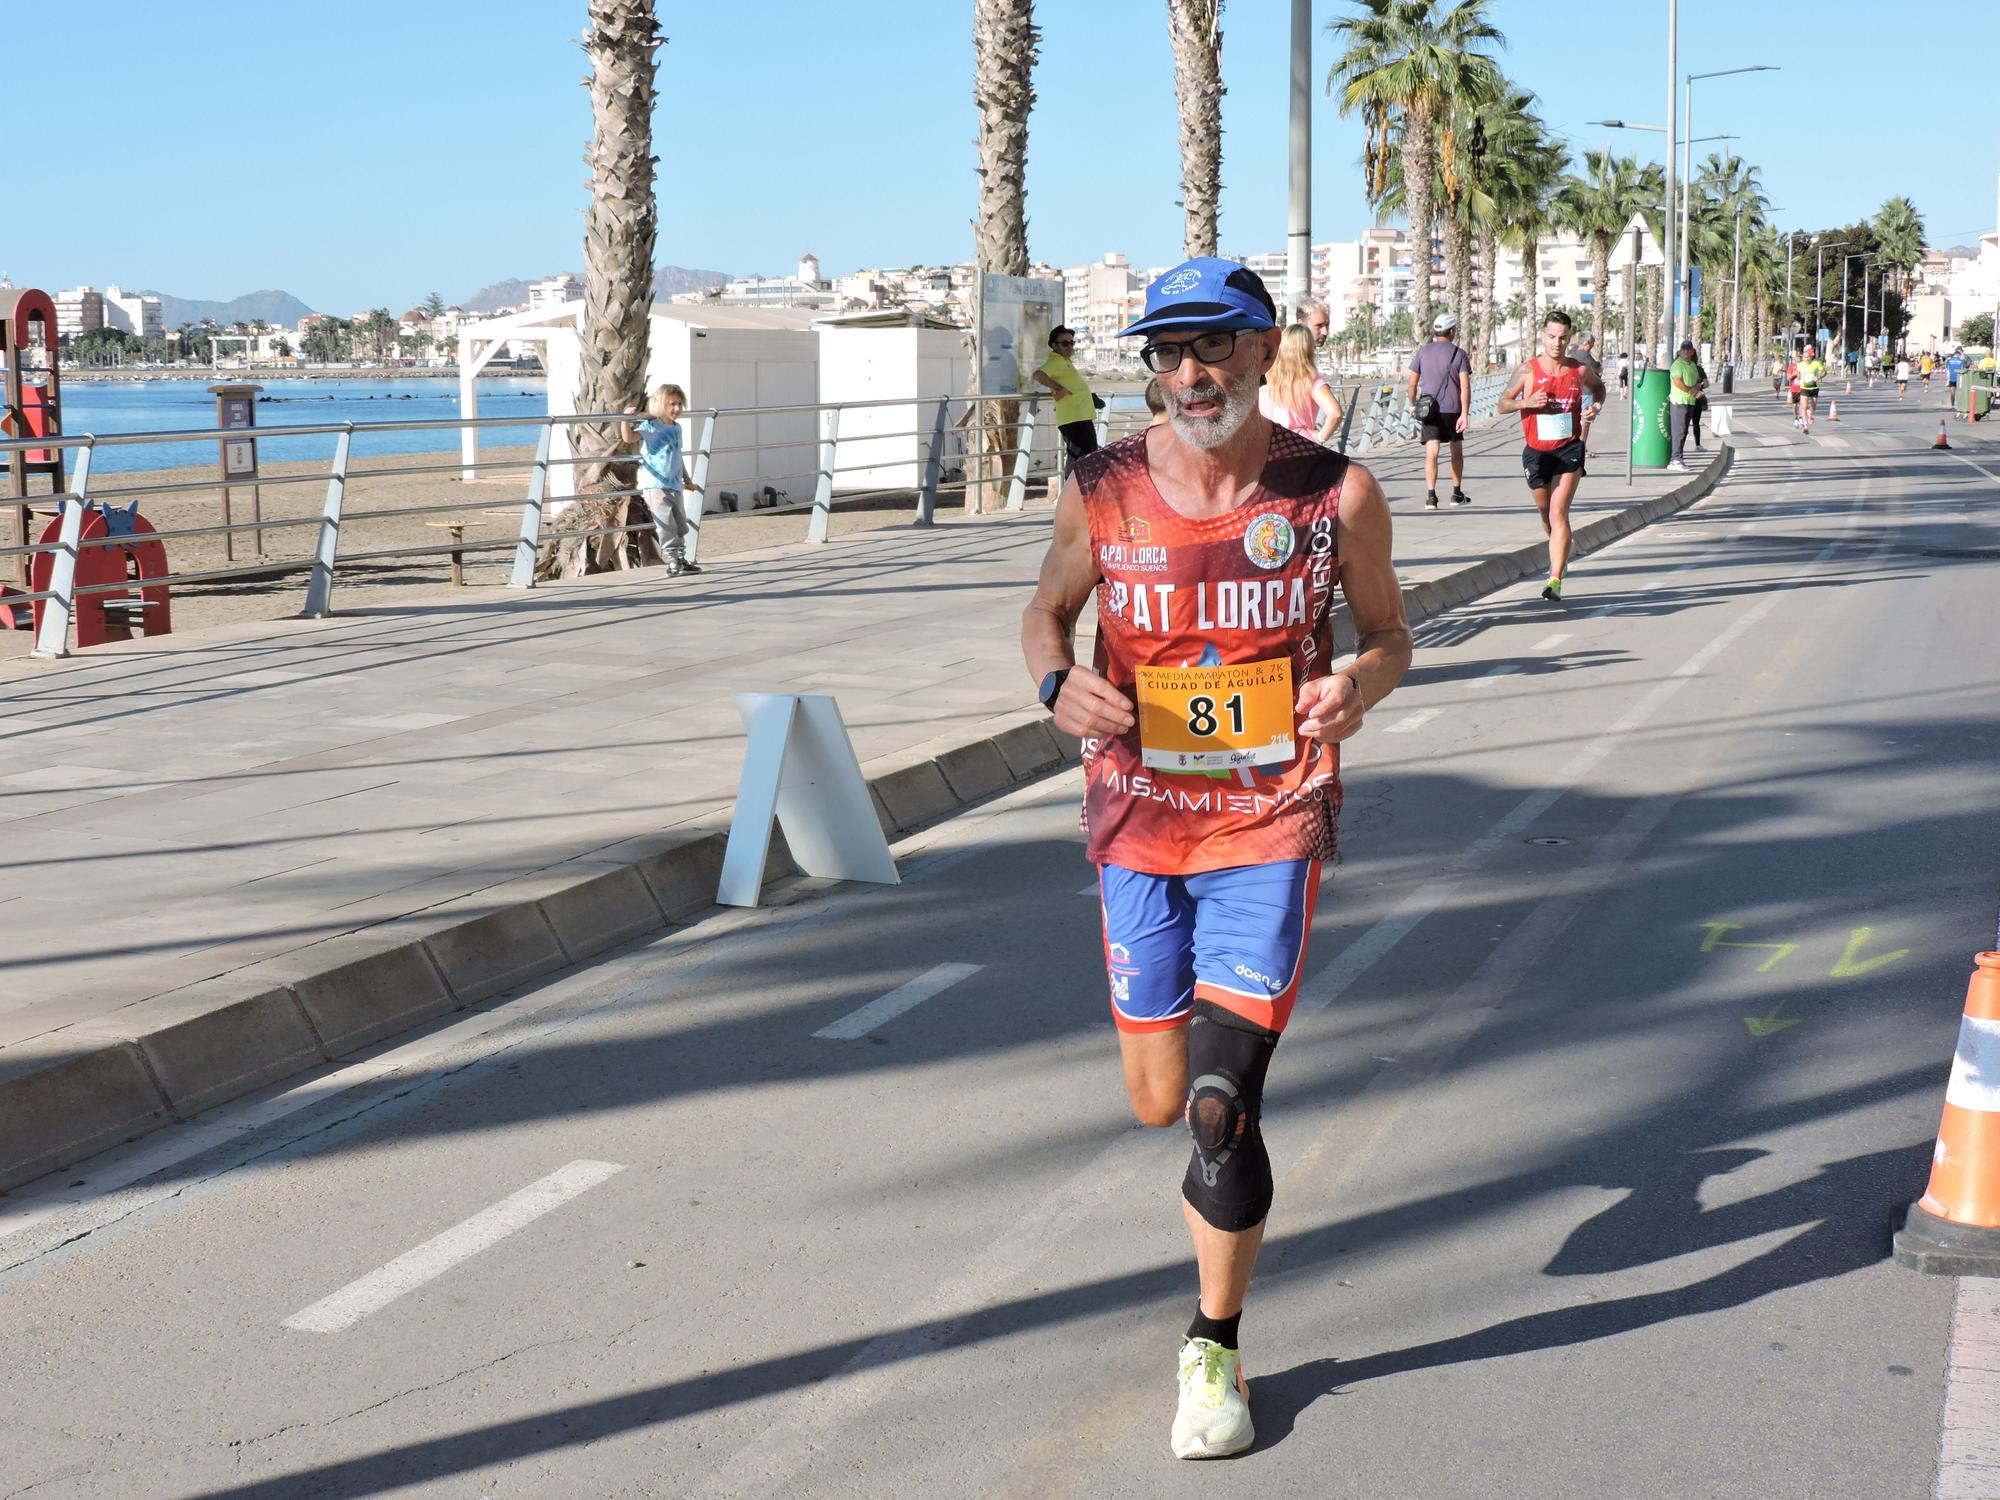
1543 466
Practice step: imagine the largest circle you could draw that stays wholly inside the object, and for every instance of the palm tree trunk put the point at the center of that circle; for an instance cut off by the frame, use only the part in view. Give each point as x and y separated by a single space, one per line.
1531 295
620 223
1419 151
1655 308
1600 284
1631 307
1004 43
1194 28
1457 260
1489 266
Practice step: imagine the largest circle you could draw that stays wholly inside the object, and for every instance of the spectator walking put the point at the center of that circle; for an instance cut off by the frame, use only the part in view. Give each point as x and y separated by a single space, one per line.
1294 395
1441 396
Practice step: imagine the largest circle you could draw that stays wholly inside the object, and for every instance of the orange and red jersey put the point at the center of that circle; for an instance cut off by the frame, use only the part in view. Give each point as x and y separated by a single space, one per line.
1252 586
1565 387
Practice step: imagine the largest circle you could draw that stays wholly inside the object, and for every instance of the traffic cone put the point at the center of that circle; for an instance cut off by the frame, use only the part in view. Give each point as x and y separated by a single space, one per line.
1850 389
1833 411
1940 443
1954 1229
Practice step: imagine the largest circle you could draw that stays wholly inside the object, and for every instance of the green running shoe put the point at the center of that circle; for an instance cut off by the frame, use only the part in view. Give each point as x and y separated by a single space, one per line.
1213 1420
1553 590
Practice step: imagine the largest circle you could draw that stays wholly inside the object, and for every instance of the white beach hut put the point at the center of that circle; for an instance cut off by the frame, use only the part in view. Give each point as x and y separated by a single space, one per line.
727 357
890 355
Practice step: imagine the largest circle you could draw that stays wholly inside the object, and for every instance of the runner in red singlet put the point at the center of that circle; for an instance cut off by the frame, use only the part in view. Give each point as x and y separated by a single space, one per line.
1548 393
1211 718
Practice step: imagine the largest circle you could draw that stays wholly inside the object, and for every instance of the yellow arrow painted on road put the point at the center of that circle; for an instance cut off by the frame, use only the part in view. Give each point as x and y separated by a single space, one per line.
1770 1022
1852 964
1714 940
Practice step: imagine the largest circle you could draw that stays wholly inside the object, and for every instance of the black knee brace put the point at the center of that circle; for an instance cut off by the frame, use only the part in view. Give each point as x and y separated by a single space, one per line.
1229 1176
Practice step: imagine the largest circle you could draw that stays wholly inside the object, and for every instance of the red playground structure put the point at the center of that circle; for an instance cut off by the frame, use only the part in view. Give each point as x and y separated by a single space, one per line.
134 554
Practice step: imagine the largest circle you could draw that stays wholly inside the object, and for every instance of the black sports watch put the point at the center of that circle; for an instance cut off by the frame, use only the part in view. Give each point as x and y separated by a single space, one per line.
1051 688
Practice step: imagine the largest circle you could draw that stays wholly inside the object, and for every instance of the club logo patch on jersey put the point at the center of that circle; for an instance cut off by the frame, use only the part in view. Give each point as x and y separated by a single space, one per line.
1269 541
1135 529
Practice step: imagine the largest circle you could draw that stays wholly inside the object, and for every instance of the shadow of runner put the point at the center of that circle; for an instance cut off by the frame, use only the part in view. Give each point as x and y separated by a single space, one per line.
1846 1205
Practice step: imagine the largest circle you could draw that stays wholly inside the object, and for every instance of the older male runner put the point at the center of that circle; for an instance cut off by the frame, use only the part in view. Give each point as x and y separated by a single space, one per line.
1211 719
1548 392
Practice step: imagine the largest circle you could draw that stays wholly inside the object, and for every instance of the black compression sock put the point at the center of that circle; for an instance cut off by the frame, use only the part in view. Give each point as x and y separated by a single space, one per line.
1221 1330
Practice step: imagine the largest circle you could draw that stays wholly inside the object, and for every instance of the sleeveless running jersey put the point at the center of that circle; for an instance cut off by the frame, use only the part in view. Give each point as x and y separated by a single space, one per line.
1555 424
1252 586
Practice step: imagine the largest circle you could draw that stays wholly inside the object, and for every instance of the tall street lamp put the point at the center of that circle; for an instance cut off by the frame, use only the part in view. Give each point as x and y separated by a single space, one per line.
1687 168
1667 209
1819 277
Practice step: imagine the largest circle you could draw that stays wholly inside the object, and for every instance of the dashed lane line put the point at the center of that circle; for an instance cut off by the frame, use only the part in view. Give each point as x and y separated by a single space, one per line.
904 997
435 1256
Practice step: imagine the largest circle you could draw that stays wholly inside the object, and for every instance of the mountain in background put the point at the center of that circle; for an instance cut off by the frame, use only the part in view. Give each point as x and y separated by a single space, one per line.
271 306
668 281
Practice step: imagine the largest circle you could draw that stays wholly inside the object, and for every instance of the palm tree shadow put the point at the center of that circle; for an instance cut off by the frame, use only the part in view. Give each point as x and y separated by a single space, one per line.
1846 1207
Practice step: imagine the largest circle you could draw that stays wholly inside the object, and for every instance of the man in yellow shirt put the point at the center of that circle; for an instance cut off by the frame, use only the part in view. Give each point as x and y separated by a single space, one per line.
1076 408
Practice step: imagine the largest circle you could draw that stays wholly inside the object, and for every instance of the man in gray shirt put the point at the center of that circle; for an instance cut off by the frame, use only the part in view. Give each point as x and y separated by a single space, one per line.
1439 370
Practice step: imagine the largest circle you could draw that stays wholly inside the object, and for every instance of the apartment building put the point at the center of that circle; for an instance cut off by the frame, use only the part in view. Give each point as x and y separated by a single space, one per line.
78 310
1101 298
134 312
547 296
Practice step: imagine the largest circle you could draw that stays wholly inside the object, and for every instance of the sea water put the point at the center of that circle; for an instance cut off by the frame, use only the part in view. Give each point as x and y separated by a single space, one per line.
114 406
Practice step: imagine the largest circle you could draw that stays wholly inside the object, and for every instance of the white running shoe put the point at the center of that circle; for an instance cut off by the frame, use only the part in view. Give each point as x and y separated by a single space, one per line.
1213 1420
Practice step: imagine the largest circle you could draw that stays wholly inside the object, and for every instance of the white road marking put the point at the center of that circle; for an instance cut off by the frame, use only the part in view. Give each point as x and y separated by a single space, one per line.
1550 642
885 1008
434 1257
1969 1456
1494 674
1416 720
1971 465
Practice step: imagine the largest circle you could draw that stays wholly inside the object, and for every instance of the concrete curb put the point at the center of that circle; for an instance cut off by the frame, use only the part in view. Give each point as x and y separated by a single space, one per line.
168 1058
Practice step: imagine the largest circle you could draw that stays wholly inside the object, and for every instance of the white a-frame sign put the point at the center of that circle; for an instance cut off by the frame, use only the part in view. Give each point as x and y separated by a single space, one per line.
801 769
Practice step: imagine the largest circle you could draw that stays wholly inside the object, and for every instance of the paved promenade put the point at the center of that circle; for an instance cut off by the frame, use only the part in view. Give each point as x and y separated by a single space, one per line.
329 831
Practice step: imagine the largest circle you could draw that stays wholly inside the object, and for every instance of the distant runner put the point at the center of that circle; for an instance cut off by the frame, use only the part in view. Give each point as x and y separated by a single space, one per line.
1812 370
1211 722
1902 377
1548 393
1953 368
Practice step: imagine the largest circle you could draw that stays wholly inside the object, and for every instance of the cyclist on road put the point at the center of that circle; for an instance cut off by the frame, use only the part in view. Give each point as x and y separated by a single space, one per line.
1211 719
1548 393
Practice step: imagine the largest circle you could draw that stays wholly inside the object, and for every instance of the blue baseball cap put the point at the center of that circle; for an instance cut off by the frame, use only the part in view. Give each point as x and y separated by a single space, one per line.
1206 292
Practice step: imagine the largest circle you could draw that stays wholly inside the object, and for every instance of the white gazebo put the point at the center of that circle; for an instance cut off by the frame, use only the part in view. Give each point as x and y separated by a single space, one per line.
479 342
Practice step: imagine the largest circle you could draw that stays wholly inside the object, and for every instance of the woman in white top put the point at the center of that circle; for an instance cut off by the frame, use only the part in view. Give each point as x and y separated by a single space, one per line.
1294 395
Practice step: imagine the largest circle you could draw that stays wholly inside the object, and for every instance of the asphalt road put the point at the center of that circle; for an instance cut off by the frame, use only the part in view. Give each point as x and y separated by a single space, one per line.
1629 1014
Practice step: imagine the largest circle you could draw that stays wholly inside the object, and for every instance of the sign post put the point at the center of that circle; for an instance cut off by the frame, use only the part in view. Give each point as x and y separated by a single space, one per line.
1636 249
236 412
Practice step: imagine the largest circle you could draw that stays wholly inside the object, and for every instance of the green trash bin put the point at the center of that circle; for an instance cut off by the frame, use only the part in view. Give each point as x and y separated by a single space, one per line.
1650 448
1975 393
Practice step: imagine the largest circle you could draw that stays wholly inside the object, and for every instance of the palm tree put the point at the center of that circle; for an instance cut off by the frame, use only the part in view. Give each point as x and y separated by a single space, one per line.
1900 230
1403 64
1597 205
1510 159
1530 214
1728 187
1195 28
1004 44
620 223
1763 283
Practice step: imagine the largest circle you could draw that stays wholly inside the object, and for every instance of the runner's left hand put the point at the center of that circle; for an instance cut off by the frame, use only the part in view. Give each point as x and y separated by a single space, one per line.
1332 708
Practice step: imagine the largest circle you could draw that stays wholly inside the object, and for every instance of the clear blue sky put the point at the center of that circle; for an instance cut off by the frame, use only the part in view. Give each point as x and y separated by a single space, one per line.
366 152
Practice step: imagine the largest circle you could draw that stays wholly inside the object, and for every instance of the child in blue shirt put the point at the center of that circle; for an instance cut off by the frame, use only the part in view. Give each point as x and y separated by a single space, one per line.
662 476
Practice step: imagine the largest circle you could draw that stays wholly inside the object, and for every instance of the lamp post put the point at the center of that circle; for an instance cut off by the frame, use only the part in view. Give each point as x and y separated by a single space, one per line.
1819 277
1852 255
1687 169
1298 239
1667 209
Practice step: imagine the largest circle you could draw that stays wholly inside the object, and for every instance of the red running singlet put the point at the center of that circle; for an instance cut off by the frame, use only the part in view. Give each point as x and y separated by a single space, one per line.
1565 388
1254 585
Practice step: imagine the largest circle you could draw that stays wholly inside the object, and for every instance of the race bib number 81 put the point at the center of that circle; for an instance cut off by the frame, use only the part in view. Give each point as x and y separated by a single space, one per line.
1216 718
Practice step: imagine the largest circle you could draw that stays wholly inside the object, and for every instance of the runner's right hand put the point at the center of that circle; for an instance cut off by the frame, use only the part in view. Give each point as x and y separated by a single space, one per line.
1090 708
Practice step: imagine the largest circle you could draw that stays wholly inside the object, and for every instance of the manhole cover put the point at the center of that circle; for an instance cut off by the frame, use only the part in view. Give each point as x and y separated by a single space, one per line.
1549 841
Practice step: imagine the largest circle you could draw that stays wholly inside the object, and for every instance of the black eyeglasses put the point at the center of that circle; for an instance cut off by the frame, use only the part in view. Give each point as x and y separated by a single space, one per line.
1164 356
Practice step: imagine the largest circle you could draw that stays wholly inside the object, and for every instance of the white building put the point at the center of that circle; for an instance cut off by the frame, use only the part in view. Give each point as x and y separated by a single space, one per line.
134 312
546 296
1974 285
803 289
882 356
1099 299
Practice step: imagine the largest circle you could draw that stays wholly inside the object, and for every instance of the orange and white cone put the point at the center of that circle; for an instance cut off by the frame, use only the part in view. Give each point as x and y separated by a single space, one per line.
1940 443
1833 411
1954 1229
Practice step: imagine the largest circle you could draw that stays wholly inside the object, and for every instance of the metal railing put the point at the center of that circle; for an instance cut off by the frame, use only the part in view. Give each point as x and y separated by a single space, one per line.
969 445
